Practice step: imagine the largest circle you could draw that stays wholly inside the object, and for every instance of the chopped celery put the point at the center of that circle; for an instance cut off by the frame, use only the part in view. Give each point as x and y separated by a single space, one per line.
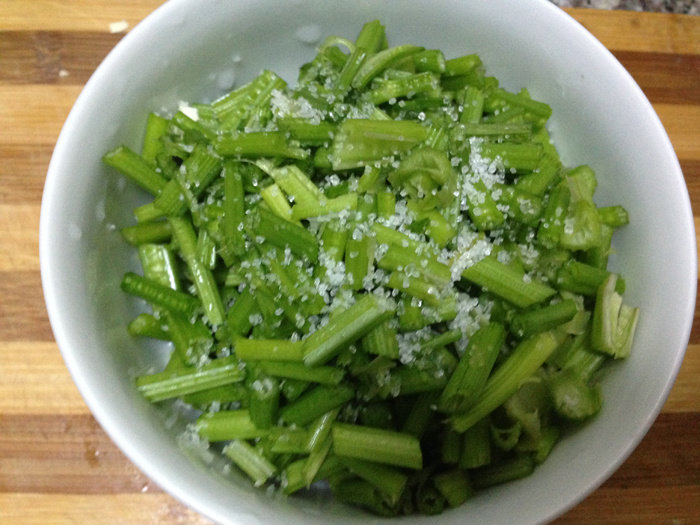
614 322
382 277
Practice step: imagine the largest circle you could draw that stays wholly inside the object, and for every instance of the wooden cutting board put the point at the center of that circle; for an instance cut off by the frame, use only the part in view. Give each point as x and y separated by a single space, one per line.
58 466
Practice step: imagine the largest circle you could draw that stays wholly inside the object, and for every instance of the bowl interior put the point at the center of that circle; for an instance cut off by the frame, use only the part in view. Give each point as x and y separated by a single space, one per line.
195 51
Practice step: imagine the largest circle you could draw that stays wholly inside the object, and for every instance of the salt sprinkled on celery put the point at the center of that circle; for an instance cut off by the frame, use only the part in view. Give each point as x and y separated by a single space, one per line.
364 273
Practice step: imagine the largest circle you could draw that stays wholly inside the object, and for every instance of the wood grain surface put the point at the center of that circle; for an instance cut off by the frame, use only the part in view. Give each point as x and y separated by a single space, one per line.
57 465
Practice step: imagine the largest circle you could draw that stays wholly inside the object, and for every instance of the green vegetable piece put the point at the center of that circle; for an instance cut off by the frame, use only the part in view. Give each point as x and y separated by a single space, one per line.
377 445
507 282
136 168
614 323
315 403
572 398
529 322
250 461
268 349
454 486
169 384
227 425
527 357
361 142
346 327
159 295
467 382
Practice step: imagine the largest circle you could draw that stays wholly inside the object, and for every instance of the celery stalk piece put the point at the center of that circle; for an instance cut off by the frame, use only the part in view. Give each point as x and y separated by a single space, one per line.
416 287
263 401
359 259
346 327
420 416
581 278
490 129
427 175
156 128
194 176
386 204
384 90
372 37
454 486
507 282
462 65
226 425
572 397
482 208
513 156
288 440
147 325
471 100
476 445
390 481
529 322
551 228
136 168
207 289
320 430
377 445
293 477
614 216
582 229
432 60
283 233
296 184
350 69
315 403
386 235
201 132
148 232
206 399
372 179
275 199
540 181
614 323
234 209
527 357
381 60
258 144
324 375
239 107
523 207
398 258
539 109
361 142
324 206
159 295
165 385
250 461
429 500
469 378
508 470
307 133
268 349
382 341
193 341
598 256
317 457
239 315
359 492
450 447
158 263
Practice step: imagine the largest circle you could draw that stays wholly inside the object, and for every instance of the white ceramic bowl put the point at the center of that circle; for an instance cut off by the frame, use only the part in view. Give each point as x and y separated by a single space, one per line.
193 50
